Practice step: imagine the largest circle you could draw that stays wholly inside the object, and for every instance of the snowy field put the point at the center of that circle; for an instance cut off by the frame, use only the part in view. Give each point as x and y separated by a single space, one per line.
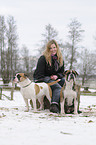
44 128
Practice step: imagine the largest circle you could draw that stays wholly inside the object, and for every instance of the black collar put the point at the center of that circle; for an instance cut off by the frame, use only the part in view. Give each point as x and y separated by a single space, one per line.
26 85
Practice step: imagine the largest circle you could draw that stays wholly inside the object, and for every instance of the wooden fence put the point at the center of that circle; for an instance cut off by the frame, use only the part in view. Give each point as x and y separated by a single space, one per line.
5 87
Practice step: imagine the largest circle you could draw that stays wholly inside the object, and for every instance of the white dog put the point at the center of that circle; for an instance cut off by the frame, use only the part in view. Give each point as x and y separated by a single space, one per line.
31 90
67 93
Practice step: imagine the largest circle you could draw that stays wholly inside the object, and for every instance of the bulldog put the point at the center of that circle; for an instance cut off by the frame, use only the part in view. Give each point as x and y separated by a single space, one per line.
68 95
33 91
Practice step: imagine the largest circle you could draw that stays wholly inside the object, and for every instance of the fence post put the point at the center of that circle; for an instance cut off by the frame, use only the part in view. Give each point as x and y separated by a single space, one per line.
0 93
12 90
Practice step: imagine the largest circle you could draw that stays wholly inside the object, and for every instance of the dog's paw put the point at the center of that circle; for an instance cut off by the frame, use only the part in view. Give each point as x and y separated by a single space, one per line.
39 109
62 112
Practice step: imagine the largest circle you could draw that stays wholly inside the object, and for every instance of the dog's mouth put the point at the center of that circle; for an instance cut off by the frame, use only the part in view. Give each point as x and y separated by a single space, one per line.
71 77
15 80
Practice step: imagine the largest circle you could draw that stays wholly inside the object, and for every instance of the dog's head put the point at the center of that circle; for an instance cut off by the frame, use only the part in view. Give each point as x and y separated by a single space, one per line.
19 77
70 75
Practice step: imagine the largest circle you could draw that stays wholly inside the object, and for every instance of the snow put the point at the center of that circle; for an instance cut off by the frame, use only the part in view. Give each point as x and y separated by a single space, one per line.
91 90
45 128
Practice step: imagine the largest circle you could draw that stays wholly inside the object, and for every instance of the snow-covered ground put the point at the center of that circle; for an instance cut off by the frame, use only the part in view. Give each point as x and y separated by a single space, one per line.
44 128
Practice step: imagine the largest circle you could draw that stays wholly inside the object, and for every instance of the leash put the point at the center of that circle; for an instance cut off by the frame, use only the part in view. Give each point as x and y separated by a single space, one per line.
26 85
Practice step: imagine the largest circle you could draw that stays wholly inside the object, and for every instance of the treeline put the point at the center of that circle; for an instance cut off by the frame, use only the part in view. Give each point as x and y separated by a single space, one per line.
8 48
13 60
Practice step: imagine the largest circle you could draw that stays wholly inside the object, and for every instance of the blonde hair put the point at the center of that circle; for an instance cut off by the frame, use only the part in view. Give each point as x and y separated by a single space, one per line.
47 52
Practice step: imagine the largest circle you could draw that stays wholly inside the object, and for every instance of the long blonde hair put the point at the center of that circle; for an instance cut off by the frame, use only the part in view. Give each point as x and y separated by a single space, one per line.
47 52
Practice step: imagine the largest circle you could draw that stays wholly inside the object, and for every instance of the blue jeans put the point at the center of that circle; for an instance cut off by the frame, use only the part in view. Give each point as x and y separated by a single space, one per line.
56 88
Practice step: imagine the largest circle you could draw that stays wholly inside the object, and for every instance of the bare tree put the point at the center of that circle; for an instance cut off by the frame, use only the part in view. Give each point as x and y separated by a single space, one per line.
11 51
2 43
75 37
87 65
28 62
50 33
25 58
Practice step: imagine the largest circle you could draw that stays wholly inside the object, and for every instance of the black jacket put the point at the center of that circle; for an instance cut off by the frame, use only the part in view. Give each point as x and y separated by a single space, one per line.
43 69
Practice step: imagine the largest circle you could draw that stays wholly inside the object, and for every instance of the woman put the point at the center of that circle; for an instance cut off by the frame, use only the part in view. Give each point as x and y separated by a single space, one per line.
50 67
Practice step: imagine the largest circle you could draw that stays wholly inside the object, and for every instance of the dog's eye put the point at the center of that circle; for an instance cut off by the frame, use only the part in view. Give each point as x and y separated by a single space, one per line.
18 76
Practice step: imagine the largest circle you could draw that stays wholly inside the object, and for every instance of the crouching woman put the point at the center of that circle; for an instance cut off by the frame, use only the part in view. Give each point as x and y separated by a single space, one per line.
50 67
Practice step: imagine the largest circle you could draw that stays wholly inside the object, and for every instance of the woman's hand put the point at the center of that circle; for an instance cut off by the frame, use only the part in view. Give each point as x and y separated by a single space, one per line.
54 77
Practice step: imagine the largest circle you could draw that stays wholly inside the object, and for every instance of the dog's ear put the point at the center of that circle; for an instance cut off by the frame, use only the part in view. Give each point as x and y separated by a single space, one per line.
25 75
74 72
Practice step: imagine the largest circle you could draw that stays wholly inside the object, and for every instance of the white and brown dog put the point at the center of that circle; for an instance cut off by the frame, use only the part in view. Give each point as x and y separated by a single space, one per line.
68 95
33 91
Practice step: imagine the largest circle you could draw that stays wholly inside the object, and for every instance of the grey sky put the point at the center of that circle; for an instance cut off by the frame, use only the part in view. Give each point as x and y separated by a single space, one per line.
32 15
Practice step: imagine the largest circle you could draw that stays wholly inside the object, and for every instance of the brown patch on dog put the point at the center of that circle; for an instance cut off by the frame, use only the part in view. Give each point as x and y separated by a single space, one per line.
61 94
23 76
37 89
52 83
50 91
41 87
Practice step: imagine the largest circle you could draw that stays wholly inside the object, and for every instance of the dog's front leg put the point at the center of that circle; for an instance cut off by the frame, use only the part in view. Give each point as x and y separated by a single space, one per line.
27 106
34 104
62 106
75 106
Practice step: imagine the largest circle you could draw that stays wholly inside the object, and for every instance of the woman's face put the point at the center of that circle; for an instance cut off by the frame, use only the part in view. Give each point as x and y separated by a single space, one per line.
53 49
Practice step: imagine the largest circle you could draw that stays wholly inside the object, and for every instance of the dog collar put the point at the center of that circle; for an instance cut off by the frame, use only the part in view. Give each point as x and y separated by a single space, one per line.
26 85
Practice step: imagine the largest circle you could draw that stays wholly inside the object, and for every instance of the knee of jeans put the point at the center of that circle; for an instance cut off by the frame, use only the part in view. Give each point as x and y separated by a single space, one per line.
63 80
